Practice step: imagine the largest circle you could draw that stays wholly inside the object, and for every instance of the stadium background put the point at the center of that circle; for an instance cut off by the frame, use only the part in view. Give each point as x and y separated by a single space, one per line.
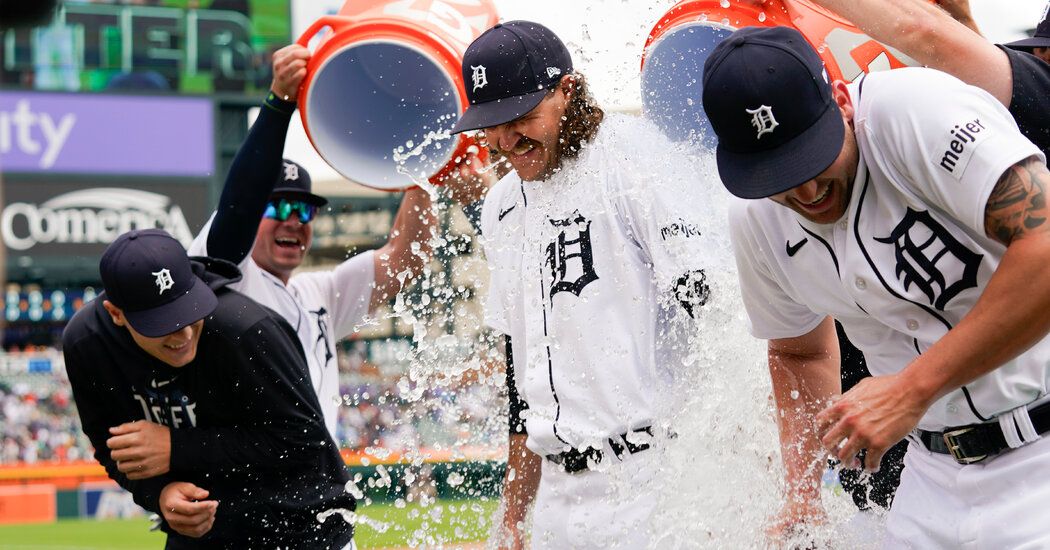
158 95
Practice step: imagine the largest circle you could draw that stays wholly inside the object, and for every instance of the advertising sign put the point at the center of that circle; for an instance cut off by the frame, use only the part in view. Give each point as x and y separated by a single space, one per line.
77 219
128 135
198 46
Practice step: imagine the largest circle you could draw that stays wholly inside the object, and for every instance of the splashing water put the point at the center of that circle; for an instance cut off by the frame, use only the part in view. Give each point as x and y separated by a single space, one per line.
718 482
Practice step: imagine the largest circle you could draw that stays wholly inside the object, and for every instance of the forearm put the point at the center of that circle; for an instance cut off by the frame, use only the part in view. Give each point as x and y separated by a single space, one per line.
251 179
520 482
803 383
274 446
932 37
407 250
1008 318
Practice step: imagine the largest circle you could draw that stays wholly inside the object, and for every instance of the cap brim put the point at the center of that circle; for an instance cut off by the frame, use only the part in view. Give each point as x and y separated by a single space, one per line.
499 111
197 303
292 193
758 175
1029 43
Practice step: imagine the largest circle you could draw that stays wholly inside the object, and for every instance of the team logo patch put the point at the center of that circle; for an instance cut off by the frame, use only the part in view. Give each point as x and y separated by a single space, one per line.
762 119
931 259
479 77
692 291
573 244
291 171
164 280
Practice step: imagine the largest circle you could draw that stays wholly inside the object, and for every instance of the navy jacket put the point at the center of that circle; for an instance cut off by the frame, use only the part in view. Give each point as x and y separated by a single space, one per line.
245 422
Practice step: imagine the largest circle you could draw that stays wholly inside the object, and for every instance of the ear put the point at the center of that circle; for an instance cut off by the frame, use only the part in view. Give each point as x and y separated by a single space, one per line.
567 85
115 313
840 93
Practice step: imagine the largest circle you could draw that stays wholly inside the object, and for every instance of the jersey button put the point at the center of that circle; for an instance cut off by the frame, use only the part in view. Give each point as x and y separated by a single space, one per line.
860 283
913 324
843 225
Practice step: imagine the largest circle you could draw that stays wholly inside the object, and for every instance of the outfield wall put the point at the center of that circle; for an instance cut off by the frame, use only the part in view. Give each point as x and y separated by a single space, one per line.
44 493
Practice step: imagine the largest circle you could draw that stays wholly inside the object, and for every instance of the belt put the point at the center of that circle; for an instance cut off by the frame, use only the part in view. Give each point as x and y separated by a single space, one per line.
976 442
577 460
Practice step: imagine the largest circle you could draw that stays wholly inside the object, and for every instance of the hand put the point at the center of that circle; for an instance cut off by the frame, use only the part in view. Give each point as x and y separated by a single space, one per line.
874 415
289 71
470 179
141 449
184 508
960 11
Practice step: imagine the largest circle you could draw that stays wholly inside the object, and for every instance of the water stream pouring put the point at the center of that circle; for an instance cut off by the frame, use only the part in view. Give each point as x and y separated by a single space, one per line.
678 45
385 83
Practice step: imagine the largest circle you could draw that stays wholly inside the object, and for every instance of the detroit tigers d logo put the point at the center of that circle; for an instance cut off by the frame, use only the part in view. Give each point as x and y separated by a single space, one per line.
931 258
573 244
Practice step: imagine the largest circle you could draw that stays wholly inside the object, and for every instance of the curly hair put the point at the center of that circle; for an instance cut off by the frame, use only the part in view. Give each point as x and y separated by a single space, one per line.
582 118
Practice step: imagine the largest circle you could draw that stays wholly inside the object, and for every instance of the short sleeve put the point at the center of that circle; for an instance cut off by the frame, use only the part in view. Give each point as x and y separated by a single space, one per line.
499 208
670 213
948 145
771 311
1031 80
345 291
199 246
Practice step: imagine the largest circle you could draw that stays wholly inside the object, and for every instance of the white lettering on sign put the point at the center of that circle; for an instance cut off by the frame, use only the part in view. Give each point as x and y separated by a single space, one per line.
91 216
448 16
842 42
17 132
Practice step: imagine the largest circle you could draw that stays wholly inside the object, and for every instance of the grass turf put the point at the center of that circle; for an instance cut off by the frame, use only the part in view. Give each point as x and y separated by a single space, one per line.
384 525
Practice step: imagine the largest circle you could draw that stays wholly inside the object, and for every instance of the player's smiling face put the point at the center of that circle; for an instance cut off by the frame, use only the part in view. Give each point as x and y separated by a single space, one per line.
177 349
530 143
281 246
825 198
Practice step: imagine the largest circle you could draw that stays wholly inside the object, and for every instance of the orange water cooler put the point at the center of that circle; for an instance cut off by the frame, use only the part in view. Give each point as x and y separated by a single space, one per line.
680 42
384 87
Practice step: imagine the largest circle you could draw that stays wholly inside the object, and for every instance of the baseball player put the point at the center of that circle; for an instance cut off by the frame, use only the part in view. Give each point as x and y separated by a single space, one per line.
262 224
909 207
928 34
197 400
594 263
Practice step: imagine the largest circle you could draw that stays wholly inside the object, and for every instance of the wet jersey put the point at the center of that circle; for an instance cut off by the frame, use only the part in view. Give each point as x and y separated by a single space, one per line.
910 257
323 307
592 271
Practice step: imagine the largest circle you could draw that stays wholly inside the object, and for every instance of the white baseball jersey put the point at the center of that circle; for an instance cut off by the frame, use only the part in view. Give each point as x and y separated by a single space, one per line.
910 258
323 307
584 268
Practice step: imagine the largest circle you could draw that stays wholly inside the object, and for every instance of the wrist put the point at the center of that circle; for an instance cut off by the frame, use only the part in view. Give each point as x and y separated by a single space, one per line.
277 103
918 385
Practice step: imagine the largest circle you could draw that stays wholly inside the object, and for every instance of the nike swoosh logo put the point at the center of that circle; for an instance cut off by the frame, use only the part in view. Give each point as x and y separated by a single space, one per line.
161 384
504 213
792 250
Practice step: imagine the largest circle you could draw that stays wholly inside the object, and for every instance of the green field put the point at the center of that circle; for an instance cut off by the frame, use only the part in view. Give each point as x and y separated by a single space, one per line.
385 526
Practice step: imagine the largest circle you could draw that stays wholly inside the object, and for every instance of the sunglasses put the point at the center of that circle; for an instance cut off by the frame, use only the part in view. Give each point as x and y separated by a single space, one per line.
282 209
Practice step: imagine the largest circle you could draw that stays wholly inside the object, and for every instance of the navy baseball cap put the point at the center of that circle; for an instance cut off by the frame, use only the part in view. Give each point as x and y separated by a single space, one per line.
1041 39
769 101
508 70
147 274
294 182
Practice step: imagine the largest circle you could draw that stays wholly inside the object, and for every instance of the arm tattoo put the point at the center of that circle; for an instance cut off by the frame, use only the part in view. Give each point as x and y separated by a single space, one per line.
1017 205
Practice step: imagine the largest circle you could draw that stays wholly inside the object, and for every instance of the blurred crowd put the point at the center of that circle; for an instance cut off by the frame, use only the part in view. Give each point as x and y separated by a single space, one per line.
39 421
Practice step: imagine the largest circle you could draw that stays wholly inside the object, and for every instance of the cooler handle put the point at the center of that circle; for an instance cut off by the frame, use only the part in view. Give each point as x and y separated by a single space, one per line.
336 22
